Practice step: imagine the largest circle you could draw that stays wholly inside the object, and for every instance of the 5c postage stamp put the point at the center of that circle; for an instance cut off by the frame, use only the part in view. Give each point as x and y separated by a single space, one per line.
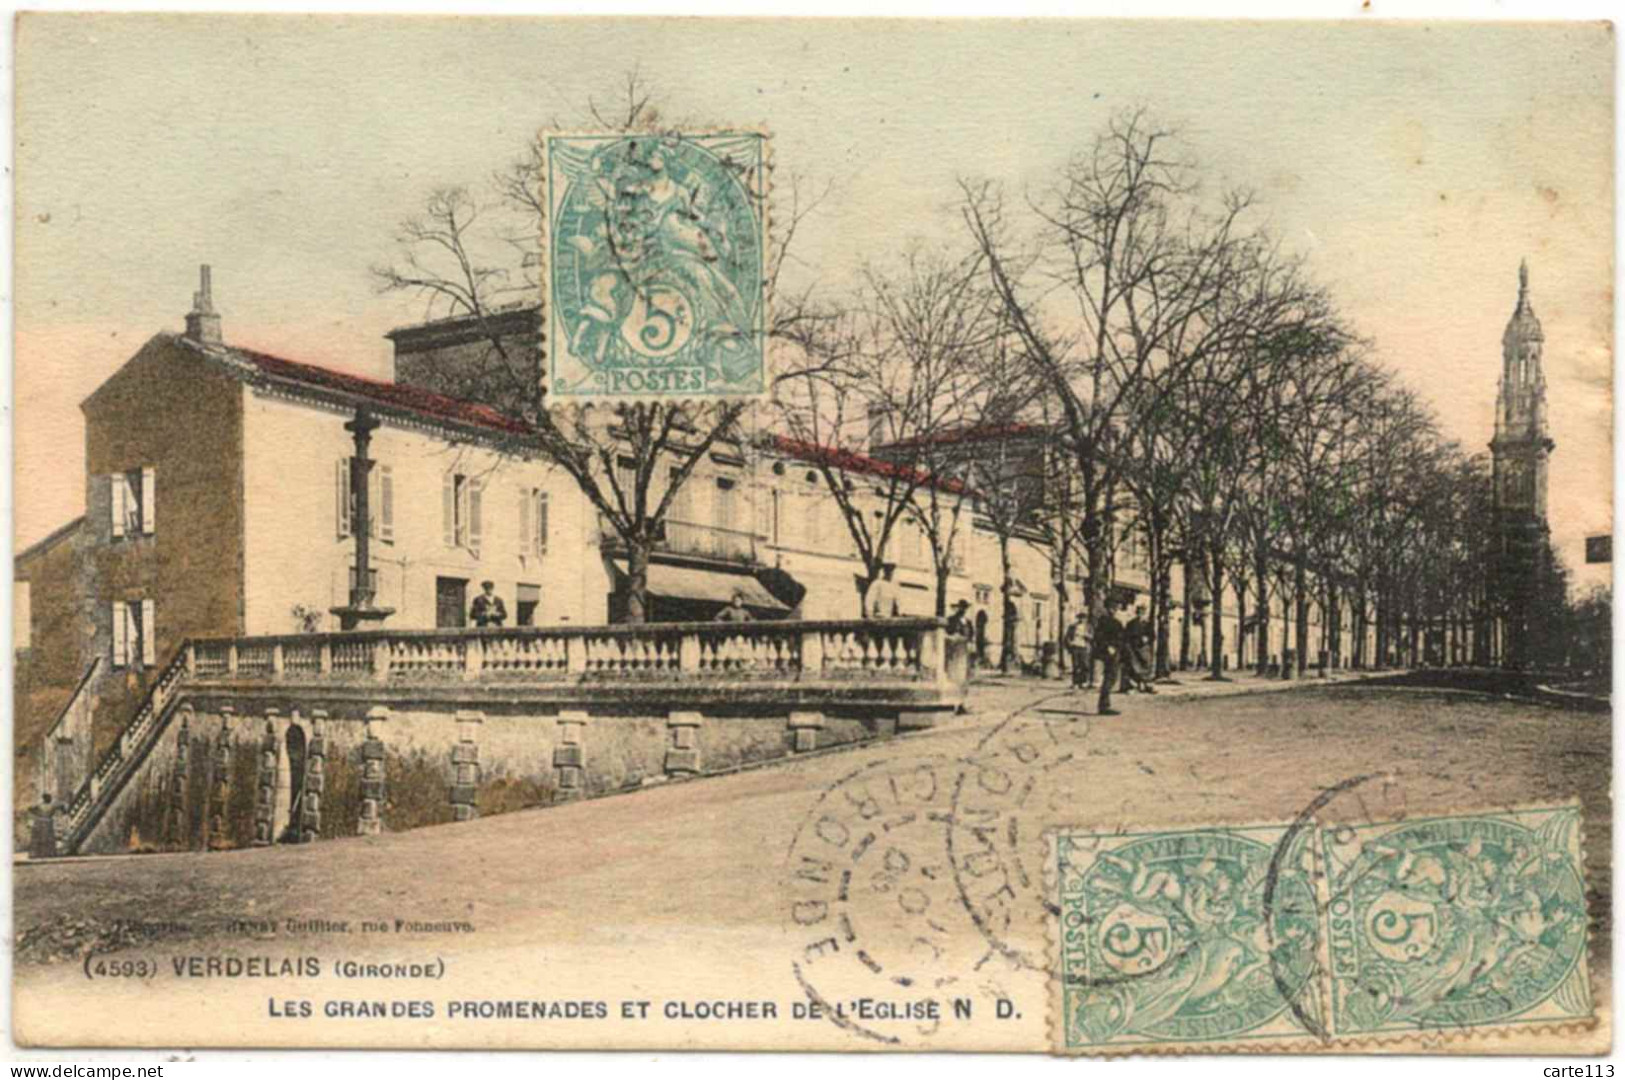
656 265
1318 938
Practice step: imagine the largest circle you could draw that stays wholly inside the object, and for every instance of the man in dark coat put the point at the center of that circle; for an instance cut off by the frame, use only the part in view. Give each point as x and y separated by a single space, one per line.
1108 644
981 637
488 609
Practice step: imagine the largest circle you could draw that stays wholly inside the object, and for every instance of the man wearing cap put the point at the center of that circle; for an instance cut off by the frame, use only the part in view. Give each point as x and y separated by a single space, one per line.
958 625
488 609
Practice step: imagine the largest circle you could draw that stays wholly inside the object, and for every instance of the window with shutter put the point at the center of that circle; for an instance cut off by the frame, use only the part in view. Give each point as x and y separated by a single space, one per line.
763 503
386 502
119 502
722 511
679 509
121 634
475 489
341 497
626 477
149 500
527 500
132 503
448 509
148 632
541 523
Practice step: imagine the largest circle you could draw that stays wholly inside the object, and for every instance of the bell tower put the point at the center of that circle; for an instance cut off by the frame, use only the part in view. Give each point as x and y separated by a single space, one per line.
1519 453
1521 444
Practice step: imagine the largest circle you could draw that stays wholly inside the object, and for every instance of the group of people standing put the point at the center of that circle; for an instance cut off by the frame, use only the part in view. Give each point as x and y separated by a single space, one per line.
1123 652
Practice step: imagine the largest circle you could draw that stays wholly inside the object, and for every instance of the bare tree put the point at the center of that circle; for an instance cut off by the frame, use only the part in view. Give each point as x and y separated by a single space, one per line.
902 371
1135 263
473 259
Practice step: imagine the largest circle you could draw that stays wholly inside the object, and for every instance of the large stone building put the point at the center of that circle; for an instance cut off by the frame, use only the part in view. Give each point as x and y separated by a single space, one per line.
218 502
222 507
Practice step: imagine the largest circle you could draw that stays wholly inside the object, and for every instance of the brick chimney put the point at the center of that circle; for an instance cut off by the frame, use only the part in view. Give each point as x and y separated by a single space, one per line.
877 415
202 322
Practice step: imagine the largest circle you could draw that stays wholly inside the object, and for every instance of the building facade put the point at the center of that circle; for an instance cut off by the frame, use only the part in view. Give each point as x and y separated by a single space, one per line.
219 502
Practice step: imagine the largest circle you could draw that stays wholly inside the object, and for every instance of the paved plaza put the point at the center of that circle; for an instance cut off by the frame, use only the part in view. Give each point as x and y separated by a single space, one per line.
721 854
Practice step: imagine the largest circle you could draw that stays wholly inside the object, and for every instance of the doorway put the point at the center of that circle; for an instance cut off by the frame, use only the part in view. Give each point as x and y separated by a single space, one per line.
526 602
450 603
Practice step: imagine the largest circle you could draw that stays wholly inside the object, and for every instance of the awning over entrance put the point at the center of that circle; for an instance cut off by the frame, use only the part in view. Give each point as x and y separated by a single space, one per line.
687 583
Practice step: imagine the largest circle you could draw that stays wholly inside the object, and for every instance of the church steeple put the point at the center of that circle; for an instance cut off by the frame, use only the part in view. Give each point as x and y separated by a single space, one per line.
1521 442
1520 569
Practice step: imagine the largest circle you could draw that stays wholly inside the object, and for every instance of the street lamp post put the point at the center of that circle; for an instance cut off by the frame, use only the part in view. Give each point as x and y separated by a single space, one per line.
361 609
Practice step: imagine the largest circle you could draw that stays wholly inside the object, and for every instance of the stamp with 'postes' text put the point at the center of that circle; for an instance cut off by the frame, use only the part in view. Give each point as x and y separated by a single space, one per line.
1318 937
656 265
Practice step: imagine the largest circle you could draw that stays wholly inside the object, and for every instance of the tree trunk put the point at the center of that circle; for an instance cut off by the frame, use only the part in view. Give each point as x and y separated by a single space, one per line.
637 581
1216 656
1239 587
1300 587
942 570
1162 602
1007 647
1185 621
1381 610
1362 625
871 574
1334 625
1261 611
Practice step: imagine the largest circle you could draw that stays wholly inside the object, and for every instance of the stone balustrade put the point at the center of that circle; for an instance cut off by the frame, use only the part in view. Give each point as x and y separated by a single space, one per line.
912 654
719 691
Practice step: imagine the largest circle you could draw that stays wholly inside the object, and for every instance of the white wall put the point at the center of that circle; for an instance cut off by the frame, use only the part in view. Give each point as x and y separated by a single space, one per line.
294 554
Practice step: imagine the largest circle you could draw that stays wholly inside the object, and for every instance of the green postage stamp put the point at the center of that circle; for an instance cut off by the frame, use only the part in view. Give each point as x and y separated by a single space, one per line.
655 275
1318 936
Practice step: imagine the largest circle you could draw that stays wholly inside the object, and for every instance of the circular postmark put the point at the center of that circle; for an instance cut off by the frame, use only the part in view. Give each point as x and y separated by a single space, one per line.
883 948
1017 778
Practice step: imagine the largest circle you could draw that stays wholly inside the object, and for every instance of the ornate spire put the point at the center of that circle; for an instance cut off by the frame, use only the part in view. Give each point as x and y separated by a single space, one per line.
1524 326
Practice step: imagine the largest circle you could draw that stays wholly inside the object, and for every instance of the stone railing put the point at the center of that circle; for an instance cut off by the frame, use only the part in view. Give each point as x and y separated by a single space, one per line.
916 653
133 743
900 667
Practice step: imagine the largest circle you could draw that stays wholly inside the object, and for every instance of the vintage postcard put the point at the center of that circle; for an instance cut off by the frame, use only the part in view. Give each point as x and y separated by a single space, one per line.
1042 536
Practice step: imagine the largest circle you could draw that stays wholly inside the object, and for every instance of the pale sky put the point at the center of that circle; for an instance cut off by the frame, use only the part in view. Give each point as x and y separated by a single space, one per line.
1415 165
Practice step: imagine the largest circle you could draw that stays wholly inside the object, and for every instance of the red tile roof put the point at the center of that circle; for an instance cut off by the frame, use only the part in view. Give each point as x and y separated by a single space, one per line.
850 461
390 395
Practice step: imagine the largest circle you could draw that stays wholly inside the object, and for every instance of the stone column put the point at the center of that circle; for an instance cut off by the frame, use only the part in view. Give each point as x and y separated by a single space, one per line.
175 828
372 773
220 795
570 755
804 729
683 752
265 794
315 785
465 764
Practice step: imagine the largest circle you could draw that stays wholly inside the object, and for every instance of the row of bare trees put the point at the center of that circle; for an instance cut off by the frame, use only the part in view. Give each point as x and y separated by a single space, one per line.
1122 354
